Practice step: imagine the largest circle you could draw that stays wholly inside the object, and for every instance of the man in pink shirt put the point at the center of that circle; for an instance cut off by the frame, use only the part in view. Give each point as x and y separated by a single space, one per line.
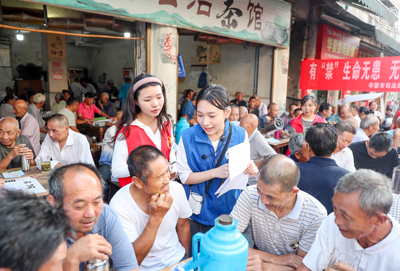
87 109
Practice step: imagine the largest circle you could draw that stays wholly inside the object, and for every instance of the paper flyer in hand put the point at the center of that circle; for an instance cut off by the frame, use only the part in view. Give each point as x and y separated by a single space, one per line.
27 184
239 158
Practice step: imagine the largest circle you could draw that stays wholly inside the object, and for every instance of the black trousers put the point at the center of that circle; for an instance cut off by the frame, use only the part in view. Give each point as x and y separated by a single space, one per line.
196 227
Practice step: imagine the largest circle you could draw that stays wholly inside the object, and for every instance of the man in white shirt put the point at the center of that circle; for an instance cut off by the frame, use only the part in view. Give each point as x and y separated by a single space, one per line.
63 145
343 155
360 225
60 103
284 219
262 107
369 125
76 88
87 87
153 211
7 109
354 112
259 147
34 109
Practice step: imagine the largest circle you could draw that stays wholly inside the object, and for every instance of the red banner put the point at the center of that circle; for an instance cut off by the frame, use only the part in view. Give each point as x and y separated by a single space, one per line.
355 74
333 43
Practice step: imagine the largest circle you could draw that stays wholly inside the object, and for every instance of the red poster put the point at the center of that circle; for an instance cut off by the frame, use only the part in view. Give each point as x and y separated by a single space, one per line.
355 74
346 93
333 43
368 52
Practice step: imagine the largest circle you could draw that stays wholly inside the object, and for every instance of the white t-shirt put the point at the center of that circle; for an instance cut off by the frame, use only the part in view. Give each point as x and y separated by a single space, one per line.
345 159
381 256
166 250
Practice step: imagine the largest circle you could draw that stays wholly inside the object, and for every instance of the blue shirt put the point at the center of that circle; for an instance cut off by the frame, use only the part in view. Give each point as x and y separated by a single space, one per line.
123 92
188 109
109 226
318 177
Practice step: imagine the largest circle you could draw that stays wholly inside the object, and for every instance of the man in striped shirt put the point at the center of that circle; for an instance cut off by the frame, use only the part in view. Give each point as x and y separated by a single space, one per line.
284 219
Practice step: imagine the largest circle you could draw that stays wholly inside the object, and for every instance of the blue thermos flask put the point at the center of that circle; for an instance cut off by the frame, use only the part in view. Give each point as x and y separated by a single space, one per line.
182 125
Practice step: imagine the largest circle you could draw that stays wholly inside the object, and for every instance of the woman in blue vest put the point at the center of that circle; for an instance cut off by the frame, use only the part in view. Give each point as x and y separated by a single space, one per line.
199 151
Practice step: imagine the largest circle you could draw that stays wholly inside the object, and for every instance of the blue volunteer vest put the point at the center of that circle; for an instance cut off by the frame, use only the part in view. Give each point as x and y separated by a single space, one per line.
197 144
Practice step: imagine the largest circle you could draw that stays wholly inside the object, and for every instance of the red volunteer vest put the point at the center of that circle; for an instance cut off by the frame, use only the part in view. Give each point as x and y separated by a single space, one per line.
297 124
138 137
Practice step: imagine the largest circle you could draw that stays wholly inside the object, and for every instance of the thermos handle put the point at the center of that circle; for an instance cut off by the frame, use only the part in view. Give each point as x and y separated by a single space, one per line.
195 244
174 129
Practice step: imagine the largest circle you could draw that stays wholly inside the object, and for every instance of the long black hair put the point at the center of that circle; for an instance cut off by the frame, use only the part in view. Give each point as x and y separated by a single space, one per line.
215 95
131 109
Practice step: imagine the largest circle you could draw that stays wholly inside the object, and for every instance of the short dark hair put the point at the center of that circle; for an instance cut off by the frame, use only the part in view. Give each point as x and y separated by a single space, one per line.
139 160
188 91
82 80
292 104
381 142
322 139
324 106
271 173
56 178
61 119
8 98
69 92
252 97
364 109
297 110
215 95
72 100
345 126
355 107
270 104
31 231
308 97
128 79
194 96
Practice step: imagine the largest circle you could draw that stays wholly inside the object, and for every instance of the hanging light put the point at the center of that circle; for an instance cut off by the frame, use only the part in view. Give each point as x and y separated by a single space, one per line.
127 35
20 36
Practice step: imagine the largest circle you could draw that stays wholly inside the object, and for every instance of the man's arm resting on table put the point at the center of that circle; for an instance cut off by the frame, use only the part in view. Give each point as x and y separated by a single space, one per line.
145 241
287 260
183 231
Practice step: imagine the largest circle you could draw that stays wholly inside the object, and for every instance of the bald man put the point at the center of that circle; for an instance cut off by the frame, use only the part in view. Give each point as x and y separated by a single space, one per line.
242 112
259 147
344 113
28 124
284 219
13 145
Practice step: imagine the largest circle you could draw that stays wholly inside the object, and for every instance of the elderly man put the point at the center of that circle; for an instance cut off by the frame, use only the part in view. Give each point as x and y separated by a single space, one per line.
259 147
87 109
363 111
153 211
123 91
243 112
234 116
360 226
298 148
285 220
87 87
320 174
376 153
325 111
70 112
76 87
252 108
288 118
369 125
32 234
28 124
13 145
262 107
354 112
34 110
238 99
63 145
7 109
344 113
343 155
60 103
105 105
96 230
106 88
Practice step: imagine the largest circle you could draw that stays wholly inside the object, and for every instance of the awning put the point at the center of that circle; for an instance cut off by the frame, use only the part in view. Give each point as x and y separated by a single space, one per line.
387 40
358 98
380 9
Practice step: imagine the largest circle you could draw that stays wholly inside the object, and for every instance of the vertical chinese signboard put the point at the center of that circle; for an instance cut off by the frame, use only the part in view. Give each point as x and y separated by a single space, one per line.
262 21
358 74
333 43
57 63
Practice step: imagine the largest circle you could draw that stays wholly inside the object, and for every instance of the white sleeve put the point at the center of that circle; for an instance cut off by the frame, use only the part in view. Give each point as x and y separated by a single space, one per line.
184 209
172 153
85 153
127 219
120 158
350 162
45 150
182 165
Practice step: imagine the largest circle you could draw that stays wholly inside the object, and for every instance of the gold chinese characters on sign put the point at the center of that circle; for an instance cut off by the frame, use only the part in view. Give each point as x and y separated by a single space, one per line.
56 48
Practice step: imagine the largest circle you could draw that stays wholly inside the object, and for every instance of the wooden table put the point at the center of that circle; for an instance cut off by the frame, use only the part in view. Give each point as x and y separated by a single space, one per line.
41 177
91 131
169 268
278 147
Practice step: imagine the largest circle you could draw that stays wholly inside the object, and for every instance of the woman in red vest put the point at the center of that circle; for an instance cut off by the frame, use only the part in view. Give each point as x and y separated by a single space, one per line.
307 119
144 122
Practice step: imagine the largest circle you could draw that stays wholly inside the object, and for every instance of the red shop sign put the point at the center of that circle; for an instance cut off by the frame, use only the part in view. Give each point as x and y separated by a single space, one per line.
355 74
333 43
368 52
